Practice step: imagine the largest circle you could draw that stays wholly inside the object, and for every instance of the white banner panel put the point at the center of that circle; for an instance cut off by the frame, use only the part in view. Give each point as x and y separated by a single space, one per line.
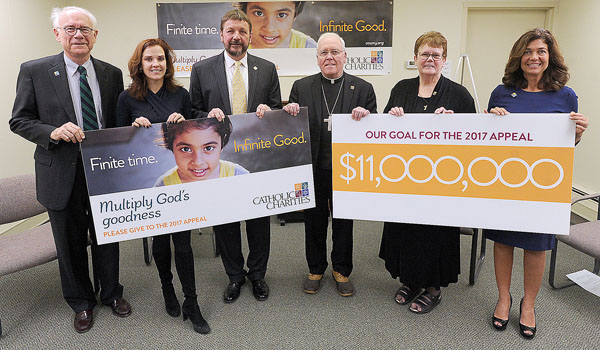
159 210
471 170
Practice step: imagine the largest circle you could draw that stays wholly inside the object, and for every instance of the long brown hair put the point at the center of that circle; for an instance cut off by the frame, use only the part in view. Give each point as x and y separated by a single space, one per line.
138 88
554 77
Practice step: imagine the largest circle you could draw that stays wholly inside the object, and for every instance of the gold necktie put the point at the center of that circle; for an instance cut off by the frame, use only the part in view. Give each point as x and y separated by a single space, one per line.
239 91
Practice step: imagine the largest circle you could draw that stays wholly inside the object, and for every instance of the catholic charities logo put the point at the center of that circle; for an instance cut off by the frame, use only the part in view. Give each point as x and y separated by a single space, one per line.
301 189
373 62
376 56
299 195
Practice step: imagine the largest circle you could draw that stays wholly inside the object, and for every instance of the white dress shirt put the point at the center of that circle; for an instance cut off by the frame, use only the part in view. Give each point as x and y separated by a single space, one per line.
73 78
229 69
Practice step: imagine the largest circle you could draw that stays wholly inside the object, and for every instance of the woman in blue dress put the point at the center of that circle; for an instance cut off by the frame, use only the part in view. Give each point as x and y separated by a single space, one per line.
534 82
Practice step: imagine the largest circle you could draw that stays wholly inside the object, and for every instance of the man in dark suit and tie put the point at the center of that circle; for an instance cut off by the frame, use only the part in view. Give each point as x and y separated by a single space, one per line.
235 82
330 91
58 97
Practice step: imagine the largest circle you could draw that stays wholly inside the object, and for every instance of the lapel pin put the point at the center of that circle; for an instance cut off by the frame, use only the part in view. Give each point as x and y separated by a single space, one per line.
514 94
56 73
255 68
434 93
351 87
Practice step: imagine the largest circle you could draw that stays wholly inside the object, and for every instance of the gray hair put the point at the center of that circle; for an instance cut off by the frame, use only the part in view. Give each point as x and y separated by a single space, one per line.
335 35
58 11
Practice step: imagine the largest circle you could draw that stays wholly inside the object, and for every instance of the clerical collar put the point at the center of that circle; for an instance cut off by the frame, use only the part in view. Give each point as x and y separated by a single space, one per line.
332 81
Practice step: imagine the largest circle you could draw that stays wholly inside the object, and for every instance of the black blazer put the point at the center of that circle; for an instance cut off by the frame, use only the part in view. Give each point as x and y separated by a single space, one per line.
208 85
307 92
42 104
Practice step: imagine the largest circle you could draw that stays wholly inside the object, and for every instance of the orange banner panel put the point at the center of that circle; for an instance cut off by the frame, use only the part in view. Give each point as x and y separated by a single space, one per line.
497 172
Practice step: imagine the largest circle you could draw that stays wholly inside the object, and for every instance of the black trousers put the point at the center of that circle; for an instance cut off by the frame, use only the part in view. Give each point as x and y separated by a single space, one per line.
315 228
70 229
184 263
229 243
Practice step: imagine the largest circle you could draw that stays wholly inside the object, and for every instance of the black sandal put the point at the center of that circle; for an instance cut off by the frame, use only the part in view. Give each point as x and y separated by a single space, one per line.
406 293
523 329
499 323
428 302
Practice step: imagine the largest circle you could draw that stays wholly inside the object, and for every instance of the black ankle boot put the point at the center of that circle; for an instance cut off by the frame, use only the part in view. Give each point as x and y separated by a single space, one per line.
192 311
171 302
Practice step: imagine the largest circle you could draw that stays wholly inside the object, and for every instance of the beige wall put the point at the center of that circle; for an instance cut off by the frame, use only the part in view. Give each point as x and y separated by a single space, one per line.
578 38
122 24
22 41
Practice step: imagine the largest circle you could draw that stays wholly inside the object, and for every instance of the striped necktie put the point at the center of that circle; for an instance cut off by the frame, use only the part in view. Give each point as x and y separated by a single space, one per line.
88 109
239 91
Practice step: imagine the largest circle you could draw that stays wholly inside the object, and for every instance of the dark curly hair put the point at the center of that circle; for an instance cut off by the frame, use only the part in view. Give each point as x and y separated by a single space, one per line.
555 76
138 88
170 131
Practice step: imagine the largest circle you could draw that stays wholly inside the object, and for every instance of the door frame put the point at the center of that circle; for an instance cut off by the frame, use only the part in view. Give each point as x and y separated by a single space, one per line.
551 8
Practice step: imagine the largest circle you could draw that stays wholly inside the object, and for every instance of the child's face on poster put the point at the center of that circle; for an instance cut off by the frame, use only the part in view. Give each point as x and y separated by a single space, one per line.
271 23
197 153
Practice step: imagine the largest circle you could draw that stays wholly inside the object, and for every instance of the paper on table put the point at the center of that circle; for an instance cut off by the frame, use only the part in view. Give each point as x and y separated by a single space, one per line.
586 280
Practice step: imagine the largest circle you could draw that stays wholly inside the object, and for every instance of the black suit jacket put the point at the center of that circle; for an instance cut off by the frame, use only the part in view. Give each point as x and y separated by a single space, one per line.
307 92
42 104
208 85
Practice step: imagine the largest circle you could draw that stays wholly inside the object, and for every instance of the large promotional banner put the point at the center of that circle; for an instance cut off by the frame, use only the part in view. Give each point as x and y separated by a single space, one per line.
173 177
284 33
512 172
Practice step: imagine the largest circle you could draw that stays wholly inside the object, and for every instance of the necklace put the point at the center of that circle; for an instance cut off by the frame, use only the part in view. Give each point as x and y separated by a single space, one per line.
426 100
330 111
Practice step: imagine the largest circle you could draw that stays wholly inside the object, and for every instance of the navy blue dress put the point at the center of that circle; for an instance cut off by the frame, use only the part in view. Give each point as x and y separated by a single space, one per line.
516 100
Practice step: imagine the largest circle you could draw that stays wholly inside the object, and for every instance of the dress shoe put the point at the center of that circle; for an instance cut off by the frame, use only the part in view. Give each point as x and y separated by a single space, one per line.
232 292
260 289
84 321
120 307
312 283
343 284
171 302
499 323
194 314
526 331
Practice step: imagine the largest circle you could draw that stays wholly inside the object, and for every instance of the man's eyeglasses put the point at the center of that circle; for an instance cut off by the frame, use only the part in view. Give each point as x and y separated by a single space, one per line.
85 31
334 53
434 56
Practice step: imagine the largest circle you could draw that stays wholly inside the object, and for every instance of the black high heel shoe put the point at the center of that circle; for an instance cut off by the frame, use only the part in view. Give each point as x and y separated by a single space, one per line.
496 320
194 314
523 328
171 303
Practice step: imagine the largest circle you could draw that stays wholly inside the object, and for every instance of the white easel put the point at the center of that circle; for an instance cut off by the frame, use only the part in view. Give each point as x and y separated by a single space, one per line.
462 61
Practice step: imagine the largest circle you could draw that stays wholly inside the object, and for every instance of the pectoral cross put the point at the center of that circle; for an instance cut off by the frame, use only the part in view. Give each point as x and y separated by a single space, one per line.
328 121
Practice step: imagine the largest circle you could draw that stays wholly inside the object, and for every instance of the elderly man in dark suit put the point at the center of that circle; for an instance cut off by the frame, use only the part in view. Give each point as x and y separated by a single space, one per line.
58 97
330 91
235 82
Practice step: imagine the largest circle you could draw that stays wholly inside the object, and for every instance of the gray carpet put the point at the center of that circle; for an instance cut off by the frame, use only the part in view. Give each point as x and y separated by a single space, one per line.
34 315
